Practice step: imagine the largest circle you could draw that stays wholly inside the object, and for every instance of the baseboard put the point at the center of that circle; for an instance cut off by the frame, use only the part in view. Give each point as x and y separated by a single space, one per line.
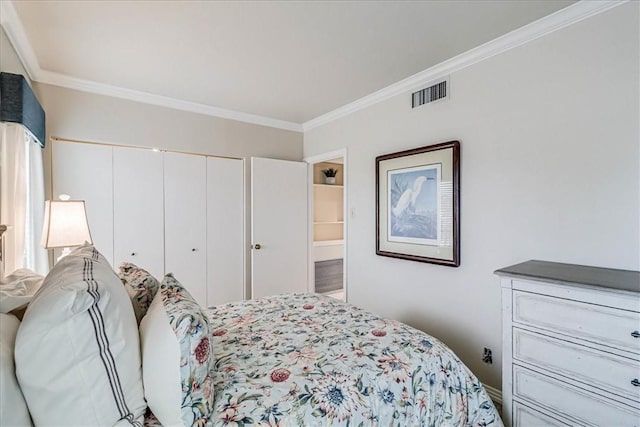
494 394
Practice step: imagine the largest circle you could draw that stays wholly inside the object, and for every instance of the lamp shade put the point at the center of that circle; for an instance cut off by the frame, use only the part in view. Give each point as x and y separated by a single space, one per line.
65 224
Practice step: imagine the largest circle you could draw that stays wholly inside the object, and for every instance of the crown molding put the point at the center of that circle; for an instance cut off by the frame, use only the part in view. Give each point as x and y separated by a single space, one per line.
12 25
57 79
570 15
563 18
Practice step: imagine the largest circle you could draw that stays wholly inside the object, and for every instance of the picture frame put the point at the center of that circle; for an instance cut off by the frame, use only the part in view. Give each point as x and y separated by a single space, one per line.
418 204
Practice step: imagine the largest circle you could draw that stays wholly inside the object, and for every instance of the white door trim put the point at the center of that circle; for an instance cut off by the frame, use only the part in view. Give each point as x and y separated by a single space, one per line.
326 156
311 161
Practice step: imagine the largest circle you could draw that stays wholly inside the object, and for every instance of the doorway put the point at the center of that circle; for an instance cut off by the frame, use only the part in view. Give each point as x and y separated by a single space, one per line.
328 228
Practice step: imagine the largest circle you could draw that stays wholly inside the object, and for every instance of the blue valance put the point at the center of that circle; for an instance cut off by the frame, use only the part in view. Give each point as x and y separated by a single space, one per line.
18 104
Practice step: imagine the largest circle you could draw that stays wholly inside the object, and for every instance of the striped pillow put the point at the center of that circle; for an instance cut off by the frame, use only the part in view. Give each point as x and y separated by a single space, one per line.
77 350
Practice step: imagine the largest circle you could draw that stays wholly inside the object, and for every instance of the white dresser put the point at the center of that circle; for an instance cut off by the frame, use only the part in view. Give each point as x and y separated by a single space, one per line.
571 345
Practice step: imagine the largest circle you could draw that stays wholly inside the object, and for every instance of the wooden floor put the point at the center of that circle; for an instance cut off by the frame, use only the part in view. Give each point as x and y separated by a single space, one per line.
328 275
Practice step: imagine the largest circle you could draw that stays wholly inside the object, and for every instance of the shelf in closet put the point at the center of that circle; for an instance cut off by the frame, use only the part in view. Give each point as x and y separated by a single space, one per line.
329 185
327 242
327 222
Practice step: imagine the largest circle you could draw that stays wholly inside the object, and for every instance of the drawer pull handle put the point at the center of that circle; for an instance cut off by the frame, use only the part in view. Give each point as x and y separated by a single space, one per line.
635 334
133 254
635 382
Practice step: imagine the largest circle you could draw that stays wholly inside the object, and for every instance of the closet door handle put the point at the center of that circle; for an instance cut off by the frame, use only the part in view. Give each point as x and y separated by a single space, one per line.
635 382
635 334
134 253
257 246
193 249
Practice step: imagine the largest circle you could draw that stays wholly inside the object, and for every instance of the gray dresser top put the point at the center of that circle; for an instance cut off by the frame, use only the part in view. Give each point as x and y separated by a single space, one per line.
624 280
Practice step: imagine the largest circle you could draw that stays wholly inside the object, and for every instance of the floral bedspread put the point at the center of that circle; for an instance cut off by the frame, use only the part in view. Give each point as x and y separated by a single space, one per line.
309 360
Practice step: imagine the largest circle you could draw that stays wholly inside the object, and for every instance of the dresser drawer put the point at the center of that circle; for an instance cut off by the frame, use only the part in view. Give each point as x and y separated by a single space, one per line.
611 373
585 407
523 416
603 325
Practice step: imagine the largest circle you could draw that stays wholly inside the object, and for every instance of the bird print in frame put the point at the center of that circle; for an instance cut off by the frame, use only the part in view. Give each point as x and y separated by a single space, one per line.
415 205
418 204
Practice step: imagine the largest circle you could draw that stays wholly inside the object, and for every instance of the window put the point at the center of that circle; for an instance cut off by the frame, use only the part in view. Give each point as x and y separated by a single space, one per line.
21 200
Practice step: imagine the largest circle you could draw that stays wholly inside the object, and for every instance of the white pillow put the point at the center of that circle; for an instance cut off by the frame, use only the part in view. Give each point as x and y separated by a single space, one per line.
77 349
13 408
161 364
17 289
177 357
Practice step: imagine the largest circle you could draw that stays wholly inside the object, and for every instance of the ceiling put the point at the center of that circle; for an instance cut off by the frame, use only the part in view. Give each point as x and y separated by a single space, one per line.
287 60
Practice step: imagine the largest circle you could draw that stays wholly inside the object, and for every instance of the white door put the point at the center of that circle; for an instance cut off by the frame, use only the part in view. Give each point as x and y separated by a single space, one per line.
225 230
138 213
279 227
85 172
185 207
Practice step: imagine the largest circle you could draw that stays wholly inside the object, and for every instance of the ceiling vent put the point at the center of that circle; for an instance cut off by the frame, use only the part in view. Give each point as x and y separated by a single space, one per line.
430 94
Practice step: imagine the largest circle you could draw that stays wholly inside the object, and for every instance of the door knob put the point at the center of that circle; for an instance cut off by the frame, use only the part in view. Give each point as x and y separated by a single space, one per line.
257 246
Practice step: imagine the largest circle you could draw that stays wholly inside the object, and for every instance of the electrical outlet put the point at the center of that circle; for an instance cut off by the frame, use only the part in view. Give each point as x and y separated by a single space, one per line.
487 356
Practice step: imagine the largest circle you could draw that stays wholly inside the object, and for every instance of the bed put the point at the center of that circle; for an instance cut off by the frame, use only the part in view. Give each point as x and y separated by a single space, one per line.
310 360
284 360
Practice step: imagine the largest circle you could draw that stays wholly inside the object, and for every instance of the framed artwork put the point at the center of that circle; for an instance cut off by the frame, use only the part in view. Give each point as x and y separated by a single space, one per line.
418 204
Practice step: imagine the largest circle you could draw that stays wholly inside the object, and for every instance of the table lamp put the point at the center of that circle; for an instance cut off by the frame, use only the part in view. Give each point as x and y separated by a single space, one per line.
65 225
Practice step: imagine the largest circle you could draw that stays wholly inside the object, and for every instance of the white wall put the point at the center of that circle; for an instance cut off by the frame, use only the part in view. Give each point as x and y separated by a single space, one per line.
96 118
84 116
550 159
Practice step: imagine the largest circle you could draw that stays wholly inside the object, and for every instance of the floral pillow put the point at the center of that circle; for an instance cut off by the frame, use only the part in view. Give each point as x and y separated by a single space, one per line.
177 357
141 287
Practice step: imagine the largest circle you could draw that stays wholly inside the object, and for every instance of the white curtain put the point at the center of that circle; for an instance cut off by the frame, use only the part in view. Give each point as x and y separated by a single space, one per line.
21 199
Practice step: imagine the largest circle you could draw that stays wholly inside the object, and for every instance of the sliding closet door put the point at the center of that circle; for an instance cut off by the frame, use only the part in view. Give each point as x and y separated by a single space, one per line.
185 207
225 230
138 213
84 172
